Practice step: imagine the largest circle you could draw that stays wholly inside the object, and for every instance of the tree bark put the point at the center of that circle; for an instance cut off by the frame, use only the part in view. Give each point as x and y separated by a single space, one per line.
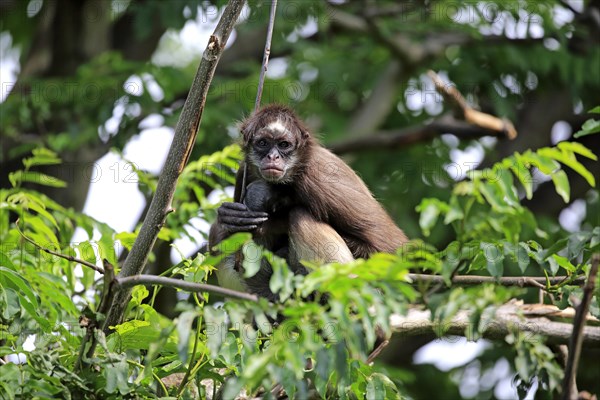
181 147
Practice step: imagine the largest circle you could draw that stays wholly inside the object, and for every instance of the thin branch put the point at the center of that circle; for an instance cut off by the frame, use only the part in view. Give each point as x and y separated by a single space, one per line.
502 320
520 281
261 82
266 54
393 139
57 254
91 323
578 336
130 281
568 7
179 153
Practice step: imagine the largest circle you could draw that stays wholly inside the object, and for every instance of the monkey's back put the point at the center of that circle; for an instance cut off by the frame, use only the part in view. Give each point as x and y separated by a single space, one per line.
335 194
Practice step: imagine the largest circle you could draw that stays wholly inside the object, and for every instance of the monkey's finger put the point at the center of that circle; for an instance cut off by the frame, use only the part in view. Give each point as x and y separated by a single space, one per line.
235 206
241 214
236 228
229 220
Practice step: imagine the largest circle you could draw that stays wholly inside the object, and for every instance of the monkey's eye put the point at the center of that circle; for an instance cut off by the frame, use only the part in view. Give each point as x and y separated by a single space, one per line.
284 144
262 143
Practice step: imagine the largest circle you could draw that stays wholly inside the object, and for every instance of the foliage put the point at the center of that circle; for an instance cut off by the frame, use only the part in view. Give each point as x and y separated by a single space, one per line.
328 318
87 86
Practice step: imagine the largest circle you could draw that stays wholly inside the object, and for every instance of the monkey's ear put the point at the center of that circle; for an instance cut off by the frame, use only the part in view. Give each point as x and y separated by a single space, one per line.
246 130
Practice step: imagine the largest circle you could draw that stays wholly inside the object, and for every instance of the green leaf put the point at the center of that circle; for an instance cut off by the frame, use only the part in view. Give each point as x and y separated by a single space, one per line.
589 127
375 388
136 334
578 148
41 156
569 160
506 185
493 197
523 175
522 256
543 162
523 367
564 263
561 183
10 278
127 239
252 259
429 212
6 262
116 376
494 259
216 329
35 177
576 243
184 328
455 212
553 265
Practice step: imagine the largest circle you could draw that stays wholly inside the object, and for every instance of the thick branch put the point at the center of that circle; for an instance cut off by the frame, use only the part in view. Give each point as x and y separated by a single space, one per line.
501 321
469 114
130 281
377 107
183 141
578 336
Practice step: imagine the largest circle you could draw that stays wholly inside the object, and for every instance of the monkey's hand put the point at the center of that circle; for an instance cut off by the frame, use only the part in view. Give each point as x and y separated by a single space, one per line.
236 217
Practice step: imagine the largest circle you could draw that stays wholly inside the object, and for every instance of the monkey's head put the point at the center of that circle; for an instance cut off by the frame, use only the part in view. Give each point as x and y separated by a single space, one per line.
276 142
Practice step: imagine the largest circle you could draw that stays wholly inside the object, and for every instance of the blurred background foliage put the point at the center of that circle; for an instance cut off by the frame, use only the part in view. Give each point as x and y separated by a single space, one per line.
351 69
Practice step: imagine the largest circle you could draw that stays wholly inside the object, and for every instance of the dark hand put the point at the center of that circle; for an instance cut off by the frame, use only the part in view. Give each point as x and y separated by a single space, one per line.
236 217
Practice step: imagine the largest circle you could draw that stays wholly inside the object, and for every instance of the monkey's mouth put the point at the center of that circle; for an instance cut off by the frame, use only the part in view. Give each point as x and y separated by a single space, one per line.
272 172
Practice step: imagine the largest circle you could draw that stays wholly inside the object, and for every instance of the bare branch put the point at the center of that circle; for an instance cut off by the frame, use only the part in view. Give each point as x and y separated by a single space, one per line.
179 152
393 139
578 336
520 281
503 320
130 281
57 254
471 115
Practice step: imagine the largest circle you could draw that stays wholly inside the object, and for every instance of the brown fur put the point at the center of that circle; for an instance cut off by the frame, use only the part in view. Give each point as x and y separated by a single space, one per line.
327 188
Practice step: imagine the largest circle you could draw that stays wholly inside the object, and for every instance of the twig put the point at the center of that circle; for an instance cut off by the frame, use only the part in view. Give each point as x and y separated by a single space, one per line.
568 7
577 337
179 153
377 351
130 281
91 323
261 82
57 254
520 281
266 54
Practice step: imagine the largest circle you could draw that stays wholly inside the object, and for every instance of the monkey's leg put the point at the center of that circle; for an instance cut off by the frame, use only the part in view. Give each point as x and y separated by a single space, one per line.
313 240
316 241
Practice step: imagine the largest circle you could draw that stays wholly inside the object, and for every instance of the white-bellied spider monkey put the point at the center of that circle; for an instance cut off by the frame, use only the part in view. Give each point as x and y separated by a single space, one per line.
302 203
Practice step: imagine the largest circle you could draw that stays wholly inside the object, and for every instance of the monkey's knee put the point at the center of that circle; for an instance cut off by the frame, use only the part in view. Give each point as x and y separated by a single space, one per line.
316 241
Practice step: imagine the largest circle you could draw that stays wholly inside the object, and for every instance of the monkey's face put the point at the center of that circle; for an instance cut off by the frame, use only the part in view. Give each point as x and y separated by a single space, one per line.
273 151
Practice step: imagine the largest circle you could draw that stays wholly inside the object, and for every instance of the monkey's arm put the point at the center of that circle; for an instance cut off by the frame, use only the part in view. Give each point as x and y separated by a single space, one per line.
232 218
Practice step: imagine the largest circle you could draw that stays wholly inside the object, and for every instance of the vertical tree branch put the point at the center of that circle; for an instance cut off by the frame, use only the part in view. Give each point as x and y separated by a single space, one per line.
179 153
569 383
